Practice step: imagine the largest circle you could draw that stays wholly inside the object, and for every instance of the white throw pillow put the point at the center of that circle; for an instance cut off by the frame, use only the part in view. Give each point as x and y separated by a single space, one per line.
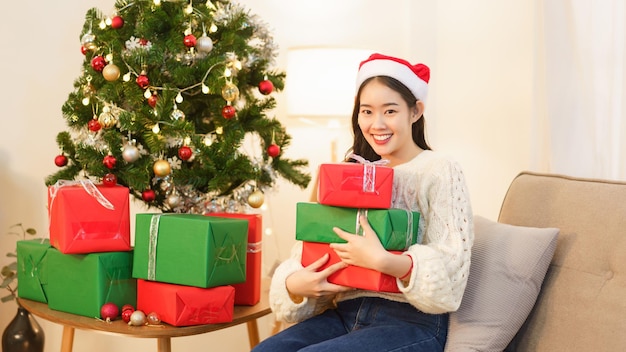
508 266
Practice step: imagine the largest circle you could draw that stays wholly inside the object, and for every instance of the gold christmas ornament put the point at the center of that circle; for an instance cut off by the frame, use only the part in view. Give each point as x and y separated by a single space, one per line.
111 72
106 118
161 168
230 91
256 199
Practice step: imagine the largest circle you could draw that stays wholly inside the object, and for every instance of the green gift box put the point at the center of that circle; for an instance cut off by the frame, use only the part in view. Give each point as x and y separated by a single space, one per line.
396 228
190 249
32 269
82 283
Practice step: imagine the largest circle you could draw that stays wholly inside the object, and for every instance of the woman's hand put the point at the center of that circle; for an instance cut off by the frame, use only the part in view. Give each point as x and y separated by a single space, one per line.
365 251
308 282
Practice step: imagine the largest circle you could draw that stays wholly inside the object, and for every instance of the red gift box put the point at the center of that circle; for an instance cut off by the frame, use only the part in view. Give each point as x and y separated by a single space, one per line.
249 292
351 276
87 218
181 305
355 185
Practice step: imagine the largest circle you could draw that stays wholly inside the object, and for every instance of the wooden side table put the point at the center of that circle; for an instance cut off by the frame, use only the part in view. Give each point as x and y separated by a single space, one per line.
163 333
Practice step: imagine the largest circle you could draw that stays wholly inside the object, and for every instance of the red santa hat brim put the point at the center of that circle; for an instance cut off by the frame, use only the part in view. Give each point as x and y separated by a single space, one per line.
414 77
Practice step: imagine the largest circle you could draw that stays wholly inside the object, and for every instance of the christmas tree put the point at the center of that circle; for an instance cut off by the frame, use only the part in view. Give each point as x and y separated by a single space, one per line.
170 93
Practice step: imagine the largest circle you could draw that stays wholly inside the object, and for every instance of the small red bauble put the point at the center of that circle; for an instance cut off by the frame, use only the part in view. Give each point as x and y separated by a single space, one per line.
109 311
126 314
143 81
84 50
98 63
266 87
185 152
60 160
148 195
94 125
117 22
190 40
152 101
109 161
273 150
109 180
228 112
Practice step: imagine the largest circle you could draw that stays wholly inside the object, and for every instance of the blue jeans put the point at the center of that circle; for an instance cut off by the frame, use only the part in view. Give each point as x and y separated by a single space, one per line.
363 324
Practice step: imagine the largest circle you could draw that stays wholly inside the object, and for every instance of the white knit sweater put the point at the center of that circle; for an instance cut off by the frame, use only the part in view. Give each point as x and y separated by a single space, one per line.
434 186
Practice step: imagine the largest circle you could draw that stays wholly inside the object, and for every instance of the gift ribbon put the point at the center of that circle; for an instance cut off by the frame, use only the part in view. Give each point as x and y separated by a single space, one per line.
254 247
89 187
409 227
152 246
369 171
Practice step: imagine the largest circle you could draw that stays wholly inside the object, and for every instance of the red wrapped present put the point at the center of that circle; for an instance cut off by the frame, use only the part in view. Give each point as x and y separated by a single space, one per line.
181 305
248 293
355 185
351 276
87 218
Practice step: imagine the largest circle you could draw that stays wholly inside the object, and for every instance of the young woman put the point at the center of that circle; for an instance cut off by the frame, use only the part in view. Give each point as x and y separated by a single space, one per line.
388 123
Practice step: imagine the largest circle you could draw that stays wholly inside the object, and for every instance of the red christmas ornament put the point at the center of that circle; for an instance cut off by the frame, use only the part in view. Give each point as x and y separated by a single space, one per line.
152 101
109 161
60 160
117 22
273 150
143 81
109 180
266 87
126 314
190 40
109 311
84 50
98 63
228 112
94 125
143 41
127 306
148 195
185 153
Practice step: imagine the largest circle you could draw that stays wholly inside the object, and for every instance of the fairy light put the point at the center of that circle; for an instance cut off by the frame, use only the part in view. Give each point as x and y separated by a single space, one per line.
86 101
156 129
219 130
187 140
108 21
157 2
179 98
205 89
126 77
227 72
210 5
102 24
147 94
189 8
208 140
213 28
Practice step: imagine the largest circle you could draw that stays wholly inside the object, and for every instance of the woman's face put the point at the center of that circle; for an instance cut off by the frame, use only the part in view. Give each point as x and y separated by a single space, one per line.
385 119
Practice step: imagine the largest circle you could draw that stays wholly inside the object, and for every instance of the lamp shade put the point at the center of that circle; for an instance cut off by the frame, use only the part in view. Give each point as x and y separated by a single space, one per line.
321 81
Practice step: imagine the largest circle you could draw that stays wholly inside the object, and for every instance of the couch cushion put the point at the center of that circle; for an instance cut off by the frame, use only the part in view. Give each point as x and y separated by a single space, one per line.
508 266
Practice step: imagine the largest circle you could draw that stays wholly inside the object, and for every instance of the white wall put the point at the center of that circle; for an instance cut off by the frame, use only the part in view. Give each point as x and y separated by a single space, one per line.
478 110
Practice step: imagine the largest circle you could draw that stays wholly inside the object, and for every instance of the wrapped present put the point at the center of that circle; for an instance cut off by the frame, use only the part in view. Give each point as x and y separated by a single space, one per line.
181 305
88 218
82 283
32 269
190 249
249 292
396 228
355 185
351 276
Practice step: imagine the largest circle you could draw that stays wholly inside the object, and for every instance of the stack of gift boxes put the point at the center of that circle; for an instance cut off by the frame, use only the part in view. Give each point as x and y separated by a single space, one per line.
345 192
189 269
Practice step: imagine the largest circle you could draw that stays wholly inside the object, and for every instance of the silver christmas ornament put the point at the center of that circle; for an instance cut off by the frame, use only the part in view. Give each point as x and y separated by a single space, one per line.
130 153
204 44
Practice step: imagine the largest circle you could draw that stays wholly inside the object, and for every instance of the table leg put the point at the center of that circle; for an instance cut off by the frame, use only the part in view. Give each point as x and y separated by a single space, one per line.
253 333
67 342
164 344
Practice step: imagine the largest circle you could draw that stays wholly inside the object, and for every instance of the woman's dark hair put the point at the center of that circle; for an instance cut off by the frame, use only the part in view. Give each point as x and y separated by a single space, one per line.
360 145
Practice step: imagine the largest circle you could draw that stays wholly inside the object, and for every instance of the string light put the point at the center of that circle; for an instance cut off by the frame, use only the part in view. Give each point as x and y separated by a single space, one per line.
156 128
179 98
126 77
157 2
205 89
147 94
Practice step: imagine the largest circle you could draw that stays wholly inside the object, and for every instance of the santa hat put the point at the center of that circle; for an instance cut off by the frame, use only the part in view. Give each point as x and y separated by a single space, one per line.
414 77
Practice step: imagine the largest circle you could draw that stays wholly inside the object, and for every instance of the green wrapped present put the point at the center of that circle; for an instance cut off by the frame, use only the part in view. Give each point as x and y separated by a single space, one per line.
82 283
190 249
32 269
396 228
